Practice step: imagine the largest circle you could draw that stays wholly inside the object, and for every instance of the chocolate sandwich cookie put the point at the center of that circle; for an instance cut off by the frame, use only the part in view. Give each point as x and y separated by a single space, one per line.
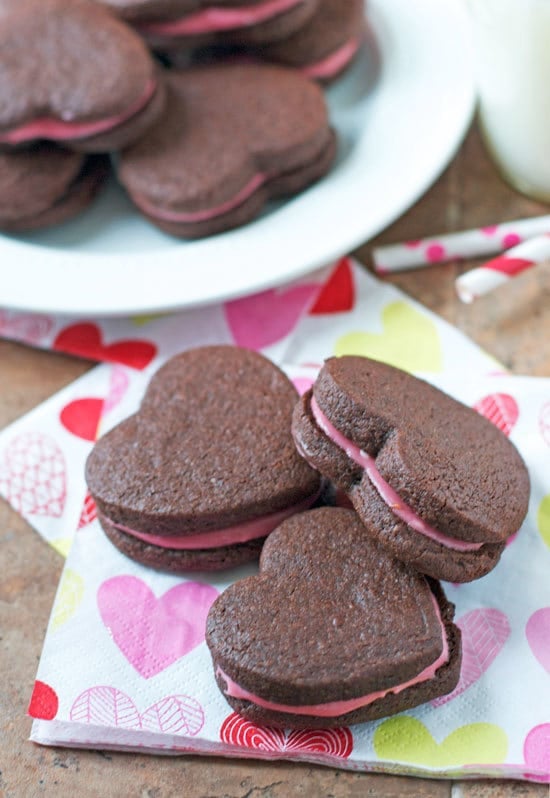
332 631
206 468
46 185
166 24
325 46
72 73
433 481
233 137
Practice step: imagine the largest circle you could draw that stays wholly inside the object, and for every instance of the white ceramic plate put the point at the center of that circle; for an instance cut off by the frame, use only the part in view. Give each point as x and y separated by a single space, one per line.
400 113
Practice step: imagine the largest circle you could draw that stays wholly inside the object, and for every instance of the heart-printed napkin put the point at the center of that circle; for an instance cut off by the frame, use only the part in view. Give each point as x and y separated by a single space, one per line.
149 685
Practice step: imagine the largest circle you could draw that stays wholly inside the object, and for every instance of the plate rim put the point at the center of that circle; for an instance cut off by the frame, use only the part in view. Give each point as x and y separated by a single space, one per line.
384 16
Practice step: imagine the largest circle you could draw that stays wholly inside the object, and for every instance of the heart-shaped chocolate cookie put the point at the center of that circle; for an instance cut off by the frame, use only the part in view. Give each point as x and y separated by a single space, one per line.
432 480
206 468
233 137
72 73
47 185
332 631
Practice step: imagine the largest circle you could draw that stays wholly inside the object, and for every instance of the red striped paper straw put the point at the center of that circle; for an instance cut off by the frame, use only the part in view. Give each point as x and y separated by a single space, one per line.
457 246
496 272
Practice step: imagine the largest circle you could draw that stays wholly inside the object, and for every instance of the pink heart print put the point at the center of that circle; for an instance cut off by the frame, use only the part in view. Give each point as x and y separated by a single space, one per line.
118 385
33 475
484 633
235 730
107 706
537 632
536 752
263 319
501 409
152 632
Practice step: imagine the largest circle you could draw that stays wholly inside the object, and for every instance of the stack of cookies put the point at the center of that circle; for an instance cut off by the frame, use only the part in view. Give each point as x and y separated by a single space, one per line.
346 620
200 149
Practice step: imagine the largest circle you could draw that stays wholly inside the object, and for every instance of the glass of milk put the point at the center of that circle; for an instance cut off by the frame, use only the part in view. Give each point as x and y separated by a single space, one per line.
512 40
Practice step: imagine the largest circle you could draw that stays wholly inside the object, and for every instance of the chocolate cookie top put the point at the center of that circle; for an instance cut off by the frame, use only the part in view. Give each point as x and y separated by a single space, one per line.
210 447
71 61
226 126
330 617
449 464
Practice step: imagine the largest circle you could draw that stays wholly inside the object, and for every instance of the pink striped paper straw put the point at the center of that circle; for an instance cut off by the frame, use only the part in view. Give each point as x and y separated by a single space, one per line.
490 275
457 246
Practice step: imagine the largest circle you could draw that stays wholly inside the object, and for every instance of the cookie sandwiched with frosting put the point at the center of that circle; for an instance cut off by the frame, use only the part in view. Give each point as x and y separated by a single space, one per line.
166 24
90 82
324 47
333 630
233 137
432 480
206 468
46 185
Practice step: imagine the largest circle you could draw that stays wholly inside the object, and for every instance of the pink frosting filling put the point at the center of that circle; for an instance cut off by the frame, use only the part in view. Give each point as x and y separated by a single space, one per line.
209 213
332 709
387 493
56 129
333 63
210 20
240 533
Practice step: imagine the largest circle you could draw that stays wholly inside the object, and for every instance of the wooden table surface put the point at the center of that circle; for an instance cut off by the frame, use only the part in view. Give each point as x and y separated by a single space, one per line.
513 324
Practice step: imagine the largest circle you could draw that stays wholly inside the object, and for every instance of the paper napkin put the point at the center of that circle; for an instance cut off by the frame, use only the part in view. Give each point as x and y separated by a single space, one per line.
108 684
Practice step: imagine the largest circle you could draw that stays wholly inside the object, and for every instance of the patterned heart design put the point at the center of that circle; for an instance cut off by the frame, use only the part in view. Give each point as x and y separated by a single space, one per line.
235 730
484 633
536 751
543 519
537 632
162 629
338 293
409 340
107 706
81 417
31 328
263 319
501 409
84 340
69 596
44 702
33 475
405 739
88 512
118 385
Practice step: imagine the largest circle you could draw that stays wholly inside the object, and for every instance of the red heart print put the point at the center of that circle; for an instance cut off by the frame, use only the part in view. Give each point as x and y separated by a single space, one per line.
31 328
337 742
82 416
88 512
33 475
44 702
501 409
338 293
84 340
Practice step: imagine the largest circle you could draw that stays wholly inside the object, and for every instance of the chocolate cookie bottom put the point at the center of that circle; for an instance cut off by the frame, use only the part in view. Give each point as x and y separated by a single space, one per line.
181 560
